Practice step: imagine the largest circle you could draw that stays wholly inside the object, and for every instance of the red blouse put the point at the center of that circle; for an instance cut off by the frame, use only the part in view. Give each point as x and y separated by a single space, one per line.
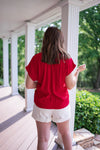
51 91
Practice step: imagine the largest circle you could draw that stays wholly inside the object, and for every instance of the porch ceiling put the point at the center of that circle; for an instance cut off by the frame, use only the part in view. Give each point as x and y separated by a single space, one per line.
15 13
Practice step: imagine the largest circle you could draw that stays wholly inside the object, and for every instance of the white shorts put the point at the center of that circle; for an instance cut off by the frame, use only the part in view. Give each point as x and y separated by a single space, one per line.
48 115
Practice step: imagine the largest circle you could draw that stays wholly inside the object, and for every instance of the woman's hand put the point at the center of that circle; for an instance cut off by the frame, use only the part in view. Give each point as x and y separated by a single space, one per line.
30 84
81 68
71 79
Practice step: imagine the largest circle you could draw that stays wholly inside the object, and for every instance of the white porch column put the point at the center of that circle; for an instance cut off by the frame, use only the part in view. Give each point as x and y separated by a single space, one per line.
29 52
5 63
14 64
70 25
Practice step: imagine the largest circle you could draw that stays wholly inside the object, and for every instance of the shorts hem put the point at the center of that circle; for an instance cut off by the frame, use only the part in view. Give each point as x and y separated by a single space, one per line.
41 120
46 115
47 121
60 121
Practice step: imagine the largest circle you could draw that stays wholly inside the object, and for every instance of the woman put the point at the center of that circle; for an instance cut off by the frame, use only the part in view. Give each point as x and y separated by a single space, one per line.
51 73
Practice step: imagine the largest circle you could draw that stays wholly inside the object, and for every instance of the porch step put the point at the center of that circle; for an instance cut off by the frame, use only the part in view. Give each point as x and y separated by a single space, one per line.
77 147
97 141
84 138
93 148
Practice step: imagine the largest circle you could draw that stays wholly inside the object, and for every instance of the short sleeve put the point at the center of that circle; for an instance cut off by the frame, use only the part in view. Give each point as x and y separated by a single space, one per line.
31 68
69 66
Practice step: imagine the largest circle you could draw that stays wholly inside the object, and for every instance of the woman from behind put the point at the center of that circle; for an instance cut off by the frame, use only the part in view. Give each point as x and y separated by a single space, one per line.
51 73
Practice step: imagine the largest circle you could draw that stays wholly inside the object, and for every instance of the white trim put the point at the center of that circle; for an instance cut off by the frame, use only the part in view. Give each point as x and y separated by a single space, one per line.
88 4
5 63
14 64
70 25
29 52
28 109
29 42
52 14
49 20
52 8
73 2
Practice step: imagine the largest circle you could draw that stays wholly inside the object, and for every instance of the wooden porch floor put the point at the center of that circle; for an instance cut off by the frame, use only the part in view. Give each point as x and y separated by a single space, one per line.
17 127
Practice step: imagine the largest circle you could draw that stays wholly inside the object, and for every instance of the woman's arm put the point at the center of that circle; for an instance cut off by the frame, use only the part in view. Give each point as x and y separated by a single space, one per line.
30 84
71 79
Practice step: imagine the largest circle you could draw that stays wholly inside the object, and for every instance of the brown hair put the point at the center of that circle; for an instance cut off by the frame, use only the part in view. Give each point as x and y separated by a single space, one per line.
52 48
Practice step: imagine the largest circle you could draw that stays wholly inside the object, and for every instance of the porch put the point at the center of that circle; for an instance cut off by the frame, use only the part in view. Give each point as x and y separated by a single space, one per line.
15 122
18 128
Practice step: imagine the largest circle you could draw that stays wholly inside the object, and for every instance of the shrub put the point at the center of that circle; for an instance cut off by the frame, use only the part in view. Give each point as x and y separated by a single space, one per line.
87 113
1 81
21 89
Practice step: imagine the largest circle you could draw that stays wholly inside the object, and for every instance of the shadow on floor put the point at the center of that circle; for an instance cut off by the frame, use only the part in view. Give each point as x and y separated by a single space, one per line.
6 97
4 125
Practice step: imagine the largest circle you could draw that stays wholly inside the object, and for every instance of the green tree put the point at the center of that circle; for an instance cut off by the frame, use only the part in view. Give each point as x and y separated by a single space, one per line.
89 45
21 59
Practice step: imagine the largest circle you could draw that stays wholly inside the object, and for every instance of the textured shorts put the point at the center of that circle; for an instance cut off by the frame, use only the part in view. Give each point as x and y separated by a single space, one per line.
48 115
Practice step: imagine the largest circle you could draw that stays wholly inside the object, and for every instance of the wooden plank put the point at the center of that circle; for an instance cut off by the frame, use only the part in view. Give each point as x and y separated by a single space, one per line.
82 134
4 92
13 105
84 138
32 135
12 129
97 138
16 125
52 145
53 132
16 139
18 130
27 142
30 130
33 145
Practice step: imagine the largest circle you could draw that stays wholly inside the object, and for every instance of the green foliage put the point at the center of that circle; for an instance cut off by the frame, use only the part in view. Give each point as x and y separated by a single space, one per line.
87 113
21 60
21 89
1 81
38 39
89 46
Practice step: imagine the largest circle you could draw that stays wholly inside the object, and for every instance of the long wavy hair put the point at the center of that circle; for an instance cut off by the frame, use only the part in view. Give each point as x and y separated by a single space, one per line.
53 46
